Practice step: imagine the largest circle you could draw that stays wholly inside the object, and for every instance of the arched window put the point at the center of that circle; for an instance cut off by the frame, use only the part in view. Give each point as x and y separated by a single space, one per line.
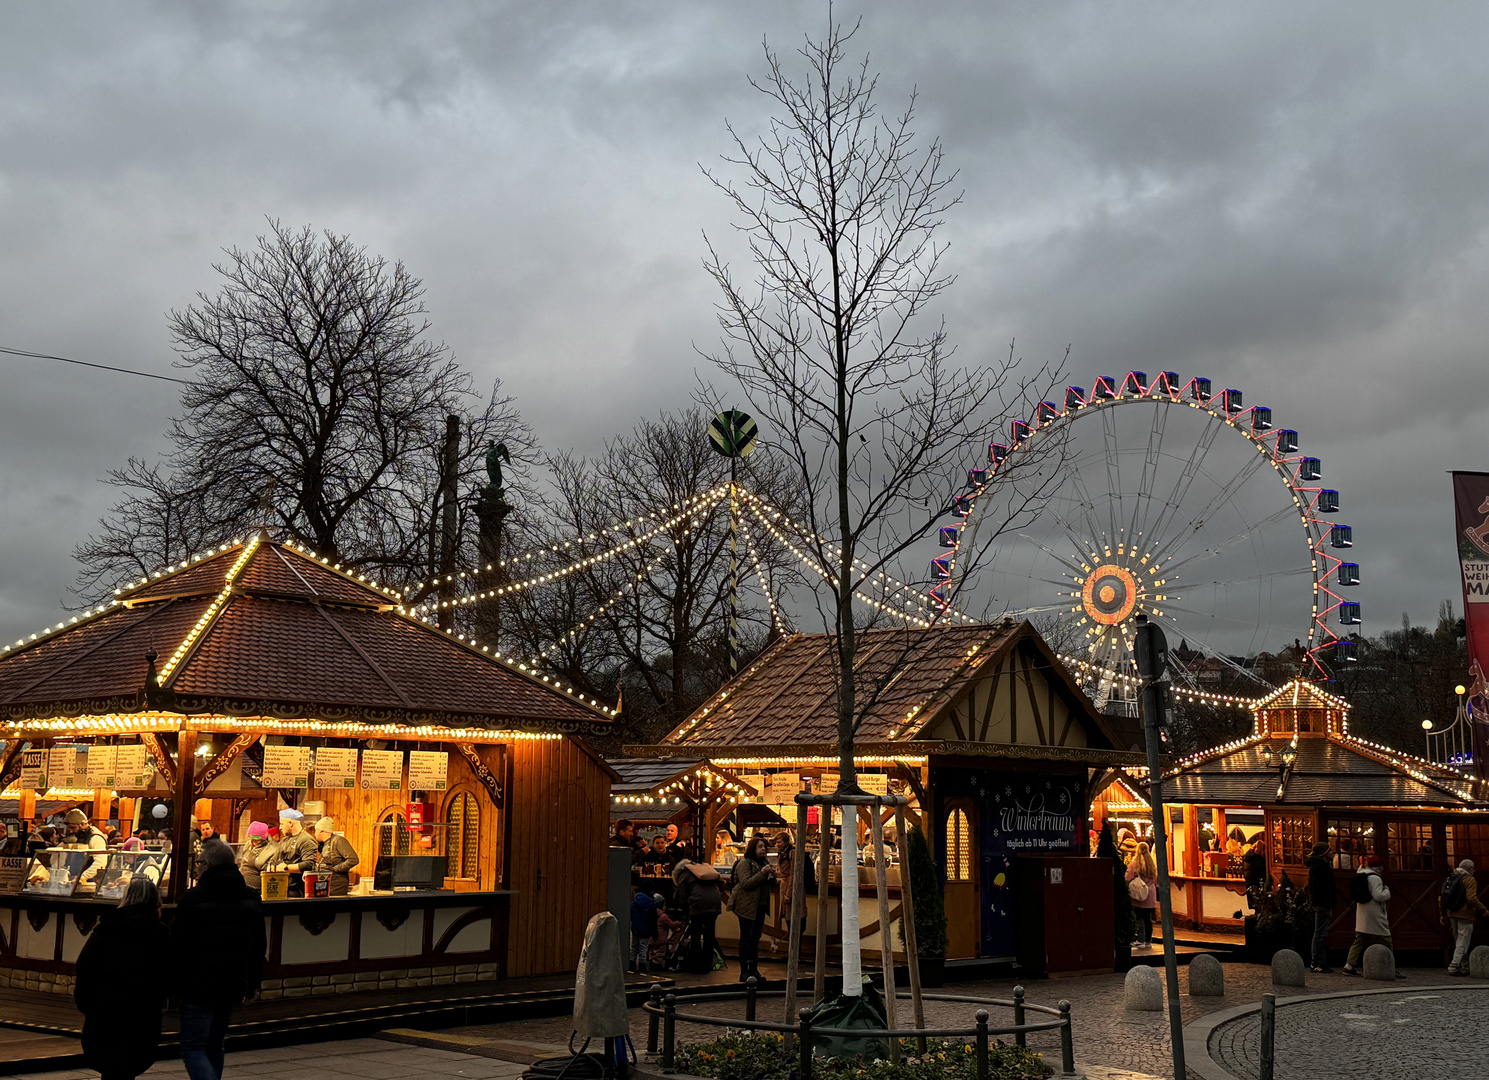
393 841
958 846
463 857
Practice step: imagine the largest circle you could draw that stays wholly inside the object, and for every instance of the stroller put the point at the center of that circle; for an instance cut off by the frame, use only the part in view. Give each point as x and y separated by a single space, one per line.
675 946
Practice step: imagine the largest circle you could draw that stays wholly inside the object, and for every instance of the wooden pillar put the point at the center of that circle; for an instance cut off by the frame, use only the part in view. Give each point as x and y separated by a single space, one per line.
181 824
126 817
1191 841
27 808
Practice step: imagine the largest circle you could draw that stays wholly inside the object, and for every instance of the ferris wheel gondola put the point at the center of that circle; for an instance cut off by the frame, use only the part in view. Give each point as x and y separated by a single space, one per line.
1148 519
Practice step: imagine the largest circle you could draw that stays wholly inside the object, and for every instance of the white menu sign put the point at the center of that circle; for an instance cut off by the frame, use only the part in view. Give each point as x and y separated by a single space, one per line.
428 770
286 767
67 766
34 770
825 784
132 768
336 767
101 759
382 770
874 783
782 789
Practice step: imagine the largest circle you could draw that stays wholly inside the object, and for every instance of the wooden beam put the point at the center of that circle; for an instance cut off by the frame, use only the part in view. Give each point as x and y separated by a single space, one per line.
181 788
223 761
1034 703
484 776
10 764
163 760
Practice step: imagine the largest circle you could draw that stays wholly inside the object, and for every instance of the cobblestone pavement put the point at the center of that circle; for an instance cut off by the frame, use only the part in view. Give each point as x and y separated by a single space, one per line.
353 1059
1129 1046
1403 1036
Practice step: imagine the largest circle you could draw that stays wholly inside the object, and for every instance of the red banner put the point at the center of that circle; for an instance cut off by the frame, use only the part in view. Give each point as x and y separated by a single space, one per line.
1471 511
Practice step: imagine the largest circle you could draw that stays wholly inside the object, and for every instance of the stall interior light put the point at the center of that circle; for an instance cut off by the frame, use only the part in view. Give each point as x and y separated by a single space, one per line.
156 723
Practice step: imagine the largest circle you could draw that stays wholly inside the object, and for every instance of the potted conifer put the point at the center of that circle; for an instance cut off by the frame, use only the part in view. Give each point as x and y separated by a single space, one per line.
930 908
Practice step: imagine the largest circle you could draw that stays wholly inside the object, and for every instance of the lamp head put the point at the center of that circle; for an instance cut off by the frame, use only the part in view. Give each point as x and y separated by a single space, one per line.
1460 689
1426 725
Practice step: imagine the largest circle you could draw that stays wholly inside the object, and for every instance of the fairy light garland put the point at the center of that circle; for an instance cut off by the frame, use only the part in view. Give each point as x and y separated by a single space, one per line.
776 621
167 723
212 608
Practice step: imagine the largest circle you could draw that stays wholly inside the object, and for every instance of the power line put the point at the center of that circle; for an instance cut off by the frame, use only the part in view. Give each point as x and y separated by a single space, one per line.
85 363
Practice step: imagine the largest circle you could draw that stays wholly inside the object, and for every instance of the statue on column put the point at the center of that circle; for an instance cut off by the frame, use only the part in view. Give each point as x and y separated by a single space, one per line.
491 512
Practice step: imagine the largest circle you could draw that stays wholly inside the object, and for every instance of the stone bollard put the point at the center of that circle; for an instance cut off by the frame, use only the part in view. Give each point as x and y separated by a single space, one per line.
1379 963
1206 976
1288 969
1142 990
1478 962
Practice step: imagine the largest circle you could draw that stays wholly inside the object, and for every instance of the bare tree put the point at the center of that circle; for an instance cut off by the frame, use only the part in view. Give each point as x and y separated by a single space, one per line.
833 340
653 617
157 523
317 405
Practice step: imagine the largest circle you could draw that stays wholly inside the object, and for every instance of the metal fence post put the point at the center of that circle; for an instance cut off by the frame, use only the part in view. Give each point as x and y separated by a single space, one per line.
1018 1015
981 1044
1067 1042
750 988
1269 1036
804 1037
653 1022
669 1032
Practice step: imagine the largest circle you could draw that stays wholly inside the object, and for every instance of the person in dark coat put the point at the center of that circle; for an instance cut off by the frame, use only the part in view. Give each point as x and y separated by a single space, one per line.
698 889
218 941
123 976
1323 895
749 899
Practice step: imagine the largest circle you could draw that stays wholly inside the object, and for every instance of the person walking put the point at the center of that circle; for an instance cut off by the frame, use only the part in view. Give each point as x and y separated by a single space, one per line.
1457 905
643 930
1142 886
1323 895
123 977
1372 913
698 889
218 941
749 899
786 875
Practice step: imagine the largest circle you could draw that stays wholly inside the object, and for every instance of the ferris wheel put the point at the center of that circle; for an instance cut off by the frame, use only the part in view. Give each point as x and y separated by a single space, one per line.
1159 498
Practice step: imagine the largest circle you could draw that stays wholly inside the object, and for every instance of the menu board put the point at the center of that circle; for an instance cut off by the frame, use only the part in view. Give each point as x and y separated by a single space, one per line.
132 768
67 766
874 783
826 784
336 767
428 770
756 781
101 760
33 770
12 875
382 770
286 767
782 789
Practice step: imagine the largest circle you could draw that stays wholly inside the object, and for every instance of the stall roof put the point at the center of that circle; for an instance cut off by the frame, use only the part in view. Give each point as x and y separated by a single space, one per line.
911 678
1330 770
639 776
261 628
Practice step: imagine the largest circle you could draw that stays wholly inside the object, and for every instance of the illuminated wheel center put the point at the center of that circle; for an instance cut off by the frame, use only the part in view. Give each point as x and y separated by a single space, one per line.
1109 594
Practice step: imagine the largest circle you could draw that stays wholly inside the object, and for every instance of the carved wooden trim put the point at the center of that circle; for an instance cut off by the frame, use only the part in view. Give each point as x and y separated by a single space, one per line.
163 760
10 764
85 921
317 922
391 919
470 918
37 917
484 776
224 760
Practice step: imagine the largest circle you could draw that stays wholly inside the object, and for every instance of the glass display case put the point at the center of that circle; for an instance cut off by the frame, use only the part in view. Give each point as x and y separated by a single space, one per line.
124 866
65 871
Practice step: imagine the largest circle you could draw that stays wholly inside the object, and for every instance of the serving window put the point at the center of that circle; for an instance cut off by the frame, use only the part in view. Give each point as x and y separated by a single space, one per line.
1409 846
1466 840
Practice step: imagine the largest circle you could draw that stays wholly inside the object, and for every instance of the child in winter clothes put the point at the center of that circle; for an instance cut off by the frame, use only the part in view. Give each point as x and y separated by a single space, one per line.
666 925
643 930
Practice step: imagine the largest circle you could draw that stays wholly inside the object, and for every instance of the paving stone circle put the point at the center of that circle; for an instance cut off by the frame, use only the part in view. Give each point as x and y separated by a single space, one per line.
1206 976
1142 990
1478 962
1379 963
1288 969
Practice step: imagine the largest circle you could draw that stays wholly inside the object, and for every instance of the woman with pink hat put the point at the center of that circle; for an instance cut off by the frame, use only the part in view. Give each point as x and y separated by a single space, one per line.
257 855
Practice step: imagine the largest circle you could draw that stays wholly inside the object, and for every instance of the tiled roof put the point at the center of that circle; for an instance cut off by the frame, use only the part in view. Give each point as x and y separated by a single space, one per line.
294 638
788 696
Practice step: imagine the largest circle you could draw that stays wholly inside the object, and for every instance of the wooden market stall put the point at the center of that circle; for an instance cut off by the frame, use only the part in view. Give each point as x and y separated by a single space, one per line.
1301 777
691 793
980 727
258 677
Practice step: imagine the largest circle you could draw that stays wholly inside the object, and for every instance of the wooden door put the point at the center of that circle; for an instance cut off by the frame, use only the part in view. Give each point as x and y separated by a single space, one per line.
960 862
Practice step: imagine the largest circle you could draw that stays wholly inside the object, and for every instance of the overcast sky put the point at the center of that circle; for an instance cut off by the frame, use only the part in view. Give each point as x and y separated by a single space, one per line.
1289 199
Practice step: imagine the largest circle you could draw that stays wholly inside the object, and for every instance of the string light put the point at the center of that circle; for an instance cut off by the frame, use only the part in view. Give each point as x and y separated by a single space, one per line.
167 723
212 608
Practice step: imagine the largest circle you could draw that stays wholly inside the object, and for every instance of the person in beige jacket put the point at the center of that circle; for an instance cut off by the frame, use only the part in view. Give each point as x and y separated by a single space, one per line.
1461 918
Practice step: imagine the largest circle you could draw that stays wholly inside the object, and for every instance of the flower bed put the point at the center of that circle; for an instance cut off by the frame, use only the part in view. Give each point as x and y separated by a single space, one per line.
745 1056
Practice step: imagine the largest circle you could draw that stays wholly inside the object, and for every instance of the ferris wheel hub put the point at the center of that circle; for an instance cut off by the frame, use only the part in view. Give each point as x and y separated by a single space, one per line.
1109 594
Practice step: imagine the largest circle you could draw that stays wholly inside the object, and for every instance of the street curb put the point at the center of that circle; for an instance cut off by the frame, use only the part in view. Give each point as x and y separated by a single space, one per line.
1198 1061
